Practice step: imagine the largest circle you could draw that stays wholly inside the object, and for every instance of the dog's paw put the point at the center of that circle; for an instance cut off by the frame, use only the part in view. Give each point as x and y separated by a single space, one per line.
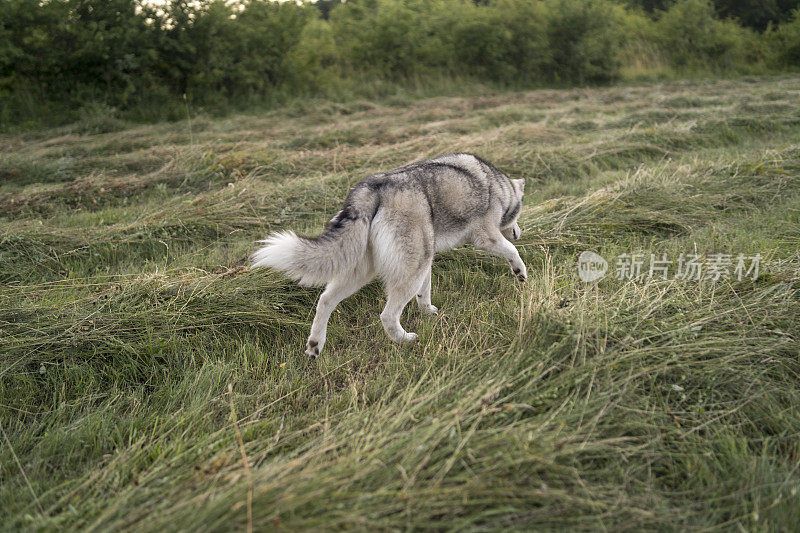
312 349
409 337
430 309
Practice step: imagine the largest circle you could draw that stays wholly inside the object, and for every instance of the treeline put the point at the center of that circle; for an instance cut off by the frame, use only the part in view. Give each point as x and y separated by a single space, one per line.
757 14
145 58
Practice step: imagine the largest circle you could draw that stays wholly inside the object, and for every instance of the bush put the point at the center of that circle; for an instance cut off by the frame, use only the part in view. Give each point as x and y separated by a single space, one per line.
785 43
243 56
507 41
693 39
381 37
585 40
97 117
312 66
512 47
641 55
143 58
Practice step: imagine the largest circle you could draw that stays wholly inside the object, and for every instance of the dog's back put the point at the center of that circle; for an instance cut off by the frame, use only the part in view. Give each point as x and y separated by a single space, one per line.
457 191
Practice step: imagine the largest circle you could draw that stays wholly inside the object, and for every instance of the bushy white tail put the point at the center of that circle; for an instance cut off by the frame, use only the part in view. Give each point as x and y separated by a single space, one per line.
316 261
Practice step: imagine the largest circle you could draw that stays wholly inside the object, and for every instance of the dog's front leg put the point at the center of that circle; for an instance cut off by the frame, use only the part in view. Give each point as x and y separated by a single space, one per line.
496 244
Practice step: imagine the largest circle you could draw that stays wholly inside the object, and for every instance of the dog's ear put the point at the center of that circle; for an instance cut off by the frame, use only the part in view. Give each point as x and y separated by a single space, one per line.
519 186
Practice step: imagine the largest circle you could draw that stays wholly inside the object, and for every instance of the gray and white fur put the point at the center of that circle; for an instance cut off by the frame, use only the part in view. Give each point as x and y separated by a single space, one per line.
391 225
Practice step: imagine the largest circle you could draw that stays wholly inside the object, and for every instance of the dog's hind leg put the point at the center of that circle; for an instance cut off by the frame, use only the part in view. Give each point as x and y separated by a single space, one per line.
398 295
336 291
402 243
424 294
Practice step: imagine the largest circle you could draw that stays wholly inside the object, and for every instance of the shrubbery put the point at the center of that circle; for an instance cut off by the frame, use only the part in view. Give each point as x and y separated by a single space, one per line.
785 43
693 38
135 56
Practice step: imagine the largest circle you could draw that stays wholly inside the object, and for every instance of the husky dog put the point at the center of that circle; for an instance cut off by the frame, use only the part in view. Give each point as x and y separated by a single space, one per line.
391 225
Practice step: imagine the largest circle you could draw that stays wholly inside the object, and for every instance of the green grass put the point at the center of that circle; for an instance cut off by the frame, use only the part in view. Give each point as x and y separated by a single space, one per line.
149 381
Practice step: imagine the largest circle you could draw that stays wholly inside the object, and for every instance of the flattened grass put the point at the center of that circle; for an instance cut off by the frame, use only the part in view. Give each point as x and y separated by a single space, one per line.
126 314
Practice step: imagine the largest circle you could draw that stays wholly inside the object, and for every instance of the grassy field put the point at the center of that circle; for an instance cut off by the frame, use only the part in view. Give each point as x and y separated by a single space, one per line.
149 381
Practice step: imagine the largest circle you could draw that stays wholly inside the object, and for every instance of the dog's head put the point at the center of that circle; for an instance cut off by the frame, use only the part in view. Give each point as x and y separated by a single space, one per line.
519 188
512 230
